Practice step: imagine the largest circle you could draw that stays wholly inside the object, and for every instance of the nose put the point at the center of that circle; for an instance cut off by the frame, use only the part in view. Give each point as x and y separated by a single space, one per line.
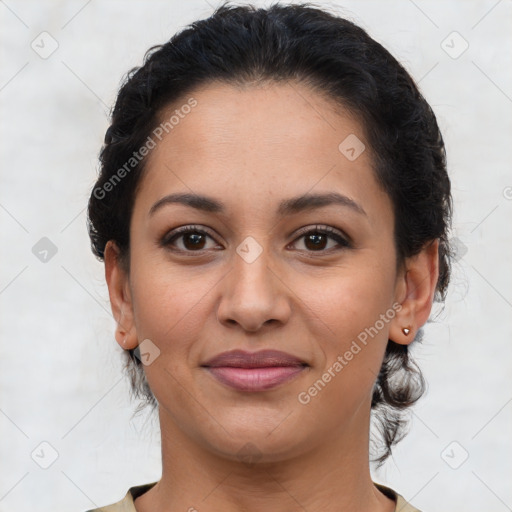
253 295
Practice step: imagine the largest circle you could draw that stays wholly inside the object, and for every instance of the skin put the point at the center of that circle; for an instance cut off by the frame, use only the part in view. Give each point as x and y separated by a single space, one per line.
251 148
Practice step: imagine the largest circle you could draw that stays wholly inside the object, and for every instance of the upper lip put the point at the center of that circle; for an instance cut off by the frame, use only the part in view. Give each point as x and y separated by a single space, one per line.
261 359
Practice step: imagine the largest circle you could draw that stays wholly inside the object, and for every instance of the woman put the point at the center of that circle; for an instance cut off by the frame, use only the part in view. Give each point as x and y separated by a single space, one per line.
272 211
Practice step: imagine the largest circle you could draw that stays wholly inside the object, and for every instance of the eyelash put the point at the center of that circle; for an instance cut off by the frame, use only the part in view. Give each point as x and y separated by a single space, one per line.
171 237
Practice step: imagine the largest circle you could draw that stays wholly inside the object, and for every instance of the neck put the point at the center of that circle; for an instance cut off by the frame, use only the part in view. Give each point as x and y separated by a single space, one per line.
332 476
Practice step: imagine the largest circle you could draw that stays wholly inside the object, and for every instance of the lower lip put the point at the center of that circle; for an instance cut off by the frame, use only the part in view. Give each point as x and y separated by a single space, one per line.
255 379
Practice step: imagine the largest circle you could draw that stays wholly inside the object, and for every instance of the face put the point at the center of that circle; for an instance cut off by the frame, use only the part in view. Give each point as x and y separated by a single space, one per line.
259 270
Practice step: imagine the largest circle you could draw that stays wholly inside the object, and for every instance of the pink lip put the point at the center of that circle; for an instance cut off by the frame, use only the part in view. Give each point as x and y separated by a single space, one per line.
246 371
255 379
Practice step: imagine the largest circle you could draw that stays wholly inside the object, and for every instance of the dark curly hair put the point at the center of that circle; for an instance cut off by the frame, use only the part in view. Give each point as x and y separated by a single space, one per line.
241 45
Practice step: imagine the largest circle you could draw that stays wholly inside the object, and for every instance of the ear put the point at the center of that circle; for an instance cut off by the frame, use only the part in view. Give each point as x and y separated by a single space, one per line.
415 289
120 297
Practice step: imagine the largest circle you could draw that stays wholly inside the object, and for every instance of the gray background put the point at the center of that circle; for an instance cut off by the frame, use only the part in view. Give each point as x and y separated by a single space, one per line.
60 368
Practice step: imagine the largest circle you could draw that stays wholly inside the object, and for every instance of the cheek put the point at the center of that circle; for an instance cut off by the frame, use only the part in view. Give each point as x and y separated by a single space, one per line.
169 303
353 340
350 301
169 309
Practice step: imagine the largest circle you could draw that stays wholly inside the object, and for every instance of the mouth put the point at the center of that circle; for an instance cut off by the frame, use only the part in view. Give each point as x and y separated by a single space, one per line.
252 372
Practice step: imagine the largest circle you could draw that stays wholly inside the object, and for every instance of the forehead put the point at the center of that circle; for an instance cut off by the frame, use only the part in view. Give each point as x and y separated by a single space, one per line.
258 142
234 121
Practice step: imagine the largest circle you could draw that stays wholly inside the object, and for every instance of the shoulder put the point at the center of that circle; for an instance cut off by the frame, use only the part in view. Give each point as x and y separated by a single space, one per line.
401 504
126 504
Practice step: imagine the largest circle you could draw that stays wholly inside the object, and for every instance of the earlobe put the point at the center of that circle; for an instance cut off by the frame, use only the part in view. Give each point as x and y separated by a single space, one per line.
120 298
402 331
415 291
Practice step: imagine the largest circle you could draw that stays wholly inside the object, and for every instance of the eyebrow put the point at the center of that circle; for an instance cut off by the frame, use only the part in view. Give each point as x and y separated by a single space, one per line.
286 207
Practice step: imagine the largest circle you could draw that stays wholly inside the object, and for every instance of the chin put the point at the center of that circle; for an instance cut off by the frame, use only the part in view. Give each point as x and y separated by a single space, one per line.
255 450
258 440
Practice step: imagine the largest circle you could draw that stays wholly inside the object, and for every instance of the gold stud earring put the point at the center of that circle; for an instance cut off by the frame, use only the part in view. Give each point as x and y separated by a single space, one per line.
406 330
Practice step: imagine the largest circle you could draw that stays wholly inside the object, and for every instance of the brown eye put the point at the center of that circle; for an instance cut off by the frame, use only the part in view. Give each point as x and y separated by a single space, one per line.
316 240
192 239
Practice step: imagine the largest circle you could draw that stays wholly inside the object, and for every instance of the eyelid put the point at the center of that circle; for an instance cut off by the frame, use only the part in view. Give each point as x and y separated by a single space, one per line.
343 240
175 234
325 229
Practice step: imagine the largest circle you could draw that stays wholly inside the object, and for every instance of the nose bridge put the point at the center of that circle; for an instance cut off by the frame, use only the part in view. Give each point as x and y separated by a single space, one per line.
251 267
252 295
